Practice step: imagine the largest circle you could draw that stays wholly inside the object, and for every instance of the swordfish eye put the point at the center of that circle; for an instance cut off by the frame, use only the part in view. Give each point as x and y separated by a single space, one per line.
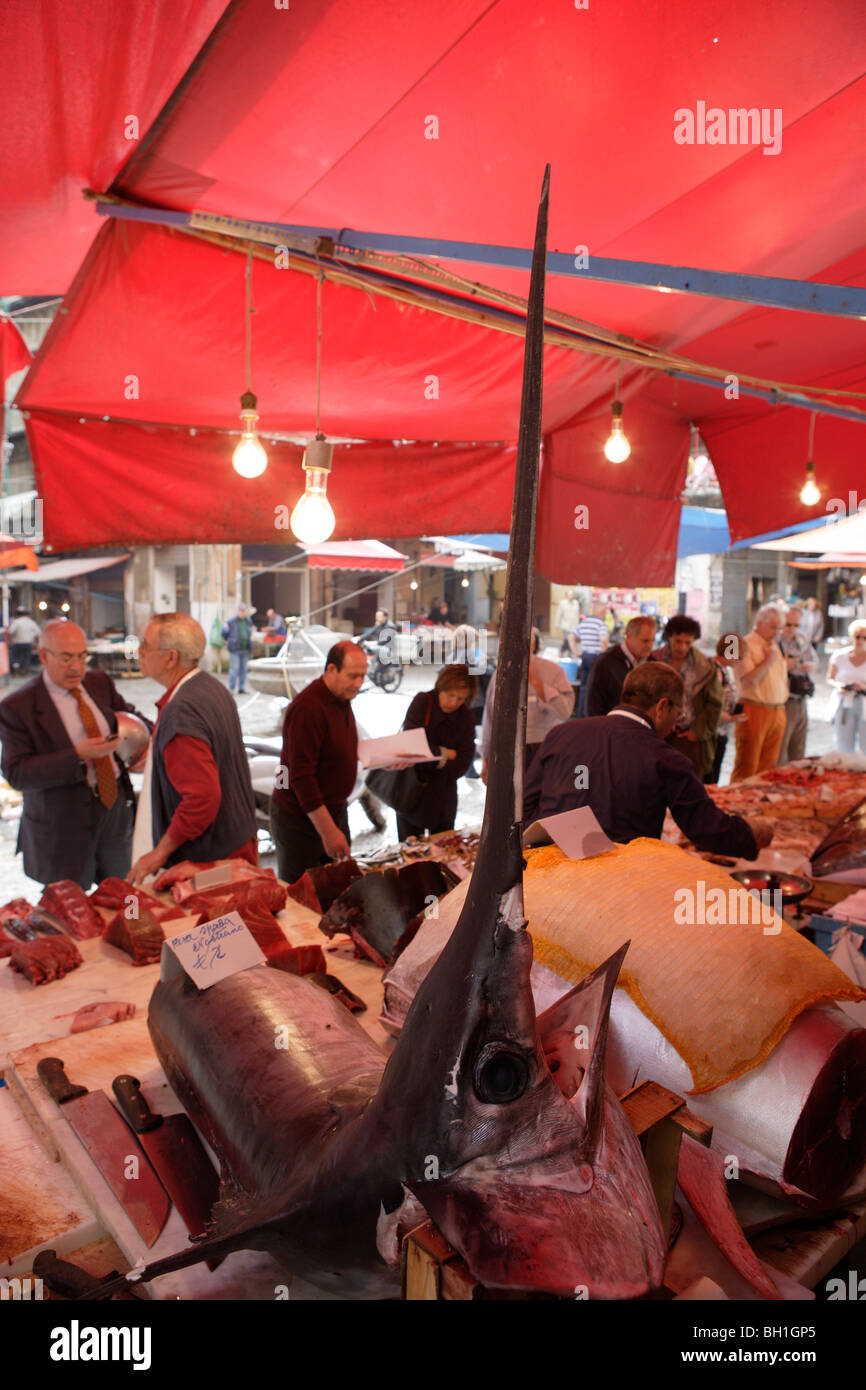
501 1074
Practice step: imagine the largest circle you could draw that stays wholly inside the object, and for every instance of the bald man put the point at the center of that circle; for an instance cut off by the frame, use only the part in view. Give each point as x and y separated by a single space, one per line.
59 733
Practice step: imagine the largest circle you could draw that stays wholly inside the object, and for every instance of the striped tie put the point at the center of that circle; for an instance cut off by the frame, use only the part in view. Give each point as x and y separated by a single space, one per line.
105 778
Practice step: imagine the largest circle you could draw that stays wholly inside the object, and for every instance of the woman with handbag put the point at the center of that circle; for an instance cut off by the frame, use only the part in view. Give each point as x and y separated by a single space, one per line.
847 676
445 713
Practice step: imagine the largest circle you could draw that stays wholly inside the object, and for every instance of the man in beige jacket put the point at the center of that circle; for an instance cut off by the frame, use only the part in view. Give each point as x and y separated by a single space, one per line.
762 678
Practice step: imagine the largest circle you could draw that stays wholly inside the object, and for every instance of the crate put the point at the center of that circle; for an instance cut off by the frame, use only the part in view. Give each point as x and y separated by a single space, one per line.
824 928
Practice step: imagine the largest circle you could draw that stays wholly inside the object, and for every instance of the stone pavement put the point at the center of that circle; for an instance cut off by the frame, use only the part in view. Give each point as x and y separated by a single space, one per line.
378 713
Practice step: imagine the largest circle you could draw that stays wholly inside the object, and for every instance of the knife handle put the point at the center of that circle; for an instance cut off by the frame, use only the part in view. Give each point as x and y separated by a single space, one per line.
56 1082
135 1108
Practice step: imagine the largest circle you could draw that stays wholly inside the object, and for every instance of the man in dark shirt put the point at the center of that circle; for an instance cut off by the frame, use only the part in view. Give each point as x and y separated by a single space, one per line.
309 818
621 767
611 668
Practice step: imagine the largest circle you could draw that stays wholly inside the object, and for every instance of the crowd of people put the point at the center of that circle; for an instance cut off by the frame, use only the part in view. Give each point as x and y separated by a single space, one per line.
755 685
676 708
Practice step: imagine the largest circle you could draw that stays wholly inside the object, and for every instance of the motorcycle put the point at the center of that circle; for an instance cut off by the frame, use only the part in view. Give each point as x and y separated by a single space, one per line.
387 675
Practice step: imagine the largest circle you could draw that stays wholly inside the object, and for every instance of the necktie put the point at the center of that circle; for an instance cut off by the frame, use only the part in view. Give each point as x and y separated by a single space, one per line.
105 778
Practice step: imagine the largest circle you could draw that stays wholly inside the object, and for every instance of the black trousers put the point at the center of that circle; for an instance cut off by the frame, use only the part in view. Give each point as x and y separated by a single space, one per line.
298 844
109 854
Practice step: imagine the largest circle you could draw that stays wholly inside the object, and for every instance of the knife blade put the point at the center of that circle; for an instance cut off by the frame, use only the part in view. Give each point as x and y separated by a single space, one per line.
111 1146
176 1152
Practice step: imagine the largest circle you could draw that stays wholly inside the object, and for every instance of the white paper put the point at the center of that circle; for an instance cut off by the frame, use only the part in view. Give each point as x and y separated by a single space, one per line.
216 949
577 833
409 746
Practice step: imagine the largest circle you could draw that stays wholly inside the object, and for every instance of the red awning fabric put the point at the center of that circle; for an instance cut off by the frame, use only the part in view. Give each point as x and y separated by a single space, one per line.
354 555
14 352
317 117
82 84
113 485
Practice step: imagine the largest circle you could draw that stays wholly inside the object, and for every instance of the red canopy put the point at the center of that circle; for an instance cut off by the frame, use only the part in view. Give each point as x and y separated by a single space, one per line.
14 352
319 118
354 555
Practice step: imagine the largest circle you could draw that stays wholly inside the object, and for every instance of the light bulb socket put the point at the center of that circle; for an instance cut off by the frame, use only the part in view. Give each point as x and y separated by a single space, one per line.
318 455
810 471
249 401
616 410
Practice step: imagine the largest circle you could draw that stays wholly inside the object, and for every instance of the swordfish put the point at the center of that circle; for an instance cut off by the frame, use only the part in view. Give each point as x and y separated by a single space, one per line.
492 1121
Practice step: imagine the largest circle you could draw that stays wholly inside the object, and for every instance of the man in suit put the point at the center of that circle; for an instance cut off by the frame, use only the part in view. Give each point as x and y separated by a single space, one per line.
59 734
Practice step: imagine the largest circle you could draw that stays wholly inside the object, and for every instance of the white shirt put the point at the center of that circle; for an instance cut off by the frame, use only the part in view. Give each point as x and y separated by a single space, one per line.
67 707
542 714
23 629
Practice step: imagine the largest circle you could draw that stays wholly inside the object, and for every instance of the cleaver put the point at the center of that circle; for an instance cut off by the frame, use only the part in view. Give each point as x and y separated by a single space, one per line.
111 1146
176 1153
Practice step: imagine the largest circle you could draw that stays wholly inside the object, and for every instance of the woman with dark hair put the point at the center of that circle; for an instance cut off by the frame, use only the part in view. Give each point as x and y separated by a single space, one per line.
445 714
695 732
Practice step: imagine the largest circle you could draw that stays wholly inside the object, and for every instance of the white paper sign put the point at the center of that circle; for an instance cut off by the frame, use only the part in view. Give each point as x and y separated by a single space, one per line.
216 949
577 833
409 746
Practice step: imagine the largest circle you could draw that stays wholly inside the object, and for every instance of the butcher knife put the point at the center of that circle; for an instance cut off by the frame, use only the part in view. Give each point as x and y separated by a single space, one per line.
110 1145
176 1153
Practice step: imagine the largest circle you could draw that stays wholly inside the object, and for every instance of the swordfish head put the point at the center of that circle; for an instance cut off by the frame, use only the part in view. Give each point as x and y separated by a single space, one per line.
506 1131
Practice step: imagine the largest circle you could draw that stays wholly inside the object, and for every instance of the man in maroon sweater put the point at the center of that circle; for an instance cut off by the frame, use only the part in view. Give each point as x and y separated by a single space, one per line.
309 818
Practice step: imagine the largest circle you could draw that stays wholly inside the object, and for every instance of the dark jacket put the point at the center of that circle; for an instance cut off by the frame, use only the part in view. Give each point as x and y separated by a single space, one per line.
438 805
706 701
204 709
233 637
606 680
619 766
57 819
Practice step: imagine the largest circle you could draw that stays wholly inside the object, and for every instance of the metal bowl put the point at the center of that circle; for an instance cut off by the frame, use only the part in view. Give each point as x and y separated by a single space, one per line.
134 736
792 887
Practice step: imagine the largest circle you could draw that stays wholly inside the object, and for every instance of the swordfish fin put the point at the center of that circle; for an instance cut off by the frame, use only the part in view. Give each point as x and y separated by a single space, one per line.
573 1033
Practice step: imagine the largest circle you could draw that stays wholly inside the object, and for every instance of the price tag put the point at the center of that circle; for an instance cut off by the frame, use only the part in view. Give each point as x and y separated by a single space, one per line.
216 949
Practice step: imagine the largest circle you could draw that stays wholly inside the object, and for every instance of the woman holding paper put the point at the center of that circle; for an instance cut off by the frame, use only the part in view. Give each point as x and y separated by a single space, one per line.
445 714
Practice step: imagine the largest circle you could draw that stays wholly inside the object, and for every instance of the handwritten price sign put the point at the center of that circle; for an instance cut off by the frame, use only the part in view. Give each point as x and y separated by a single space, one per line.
216 950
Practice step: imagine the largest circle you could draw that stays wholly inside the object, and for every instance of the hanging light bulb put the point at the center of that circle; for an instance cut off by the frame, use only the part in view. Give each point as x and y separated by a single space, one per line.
249 458
413 584
617 448
810 493
464 583
313 518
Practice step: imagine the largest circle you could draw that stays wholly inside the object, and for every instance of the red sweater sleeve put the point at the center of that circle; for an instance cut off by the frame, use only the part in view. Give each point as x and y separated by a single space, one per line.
193 773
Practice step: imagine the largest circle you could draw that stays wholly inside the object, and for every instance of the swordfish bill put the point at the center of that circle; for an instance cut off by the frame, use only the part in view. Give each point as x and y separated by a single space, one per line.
330 1155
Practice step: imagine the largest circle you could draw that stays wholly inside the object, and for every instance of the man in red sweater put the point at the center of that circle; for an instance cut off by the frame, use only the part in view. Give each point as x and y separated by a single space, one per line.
309 817
197 801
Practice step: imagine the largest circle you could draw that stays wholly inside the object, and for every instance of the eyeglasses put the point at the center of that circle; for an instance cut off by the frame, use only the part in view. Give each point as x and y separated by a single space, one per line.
66 658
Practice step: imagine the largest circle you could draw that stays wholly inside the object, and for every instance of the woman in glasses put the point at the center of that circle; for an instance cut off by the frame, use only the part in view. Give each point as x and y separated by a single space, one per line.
847 675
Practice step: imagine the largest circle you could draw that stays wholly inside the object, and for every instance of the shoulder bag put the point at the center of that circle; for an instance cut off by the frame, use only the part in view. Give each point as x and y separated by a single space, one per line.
401 788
